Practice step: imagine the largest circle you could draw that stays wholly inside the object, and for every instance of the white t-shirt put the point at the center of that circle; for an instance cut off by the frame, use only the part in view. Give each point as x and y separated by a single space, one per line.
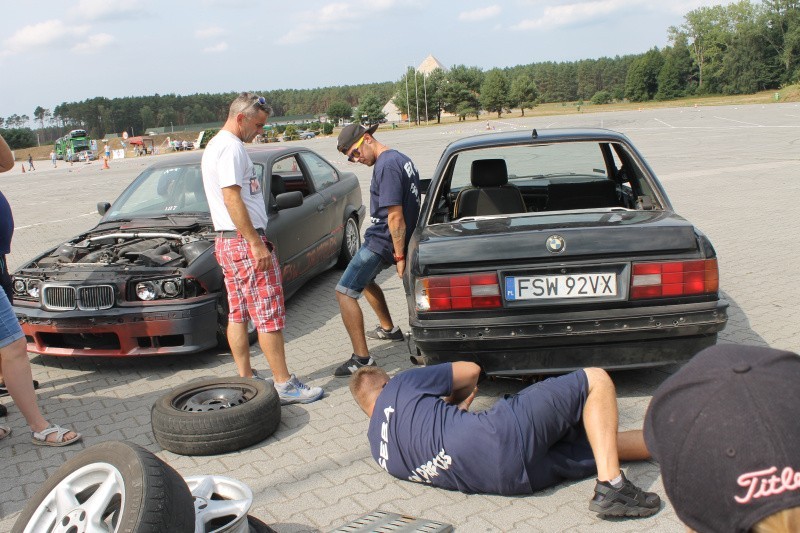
226 163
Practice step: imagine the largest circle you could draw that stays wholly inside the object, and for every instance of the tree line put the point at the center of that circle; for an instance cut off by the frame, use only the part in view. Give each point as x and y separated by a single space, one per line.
739 48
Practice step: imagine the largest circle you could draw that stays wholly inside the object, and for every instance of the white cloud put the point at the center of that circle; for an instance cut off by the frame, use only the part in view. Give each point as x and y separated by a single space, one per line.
572 14
477 15
217 48
336 17
95 43
105 9
41 35
209 31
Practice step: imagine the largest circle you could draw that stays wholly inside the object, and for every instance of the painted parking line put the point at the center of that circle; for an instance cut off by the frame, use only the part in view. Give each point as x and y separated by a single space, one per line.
740 122
45 223
664 123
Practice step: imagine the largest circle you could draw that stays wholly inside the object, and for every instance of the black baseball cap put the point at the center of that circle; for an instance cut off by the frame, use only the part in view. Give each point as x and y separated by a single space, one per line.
350 135
725 430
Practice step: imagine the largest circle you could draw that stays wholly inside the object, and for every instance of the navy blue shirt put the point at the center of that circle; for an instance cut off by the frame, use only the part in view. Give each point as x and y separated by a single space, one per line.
395 181
6 226
415 435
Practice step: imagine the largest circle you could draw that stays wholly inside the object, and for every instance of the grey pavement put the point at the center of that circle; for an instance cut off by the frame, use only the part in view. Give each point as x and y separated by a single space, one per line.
733 171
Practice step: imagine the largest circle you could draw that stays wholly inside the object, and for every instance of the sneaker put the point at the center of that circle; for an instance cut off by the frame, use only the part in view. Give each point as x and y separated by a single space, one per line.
259 377
349 367
381 334
627 500
294 391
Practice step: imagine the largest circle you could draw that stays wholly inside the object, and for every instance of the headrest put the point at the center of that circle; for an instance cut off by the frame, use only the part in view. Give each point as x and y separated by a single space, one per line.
489 173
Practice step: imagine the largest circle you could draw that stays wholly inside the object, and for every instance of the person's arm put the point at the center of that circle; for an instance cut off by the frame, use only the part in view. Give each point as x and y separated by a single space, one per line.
6 157
465 381
232 197
397 230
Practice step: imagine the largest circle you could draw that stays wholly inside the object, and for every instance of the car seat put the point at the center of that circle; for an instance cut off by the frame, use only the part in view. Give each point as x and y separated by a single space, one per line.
490 193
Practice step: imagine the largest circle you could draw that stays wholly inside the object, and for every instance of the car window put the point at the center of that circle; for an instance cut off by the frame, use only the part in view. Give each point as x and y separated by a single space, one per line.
287 170
322 173
163 191
554 162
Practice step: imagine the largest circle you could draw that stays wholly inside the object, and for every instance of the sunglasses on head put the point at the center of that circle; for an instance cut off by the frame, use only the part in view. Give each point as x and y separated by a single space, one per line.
261 102
355 154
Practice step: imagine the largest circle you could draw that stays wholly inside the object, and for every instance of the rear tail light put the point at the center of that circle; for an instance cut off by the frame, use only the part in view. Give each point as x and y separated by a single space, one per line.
680 278
458 293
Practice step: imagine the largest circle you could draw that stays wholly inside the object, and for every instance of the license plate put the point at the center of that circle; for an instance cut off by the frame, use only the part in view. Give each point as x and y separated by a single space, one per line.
596 285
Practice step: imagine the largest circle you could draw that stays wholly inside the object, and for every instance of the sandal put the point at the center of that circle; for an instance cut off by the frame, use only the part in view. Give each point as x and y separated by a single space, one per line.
5 431
4 389
40 437
3 410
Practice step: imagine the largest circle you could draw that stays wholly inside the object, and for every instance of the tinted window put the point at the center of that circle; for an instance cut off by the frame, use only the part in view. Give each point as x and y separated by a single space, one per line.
322 173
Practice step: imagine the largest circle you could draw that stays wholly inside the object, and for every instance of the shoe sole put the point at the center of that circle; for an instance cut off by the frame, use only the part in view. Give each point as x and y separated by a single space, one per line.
622 510
293 401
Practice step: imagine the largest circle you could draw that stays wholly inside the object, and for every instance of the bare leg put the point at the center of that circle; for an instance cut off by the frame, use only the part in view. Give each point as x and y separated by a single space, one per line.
631 446
19 382
272 345
240 348
377 301
600 419
353 319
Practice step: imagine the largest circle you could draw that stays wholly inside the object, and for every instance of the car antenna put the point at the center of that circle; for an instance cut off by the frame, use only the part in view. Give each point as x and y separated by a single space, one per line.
534 134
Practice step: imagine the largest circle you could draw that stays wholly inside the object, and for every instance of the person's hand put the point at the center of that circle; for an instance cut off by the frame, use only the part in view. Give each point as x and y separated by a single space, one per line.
401 267
464 405
261 255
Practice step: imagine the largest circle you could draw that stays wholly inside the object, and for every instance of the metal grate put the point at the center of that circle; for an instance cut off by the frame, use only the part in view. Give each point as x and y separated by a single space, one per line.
383 522
95 297
87 298
59 298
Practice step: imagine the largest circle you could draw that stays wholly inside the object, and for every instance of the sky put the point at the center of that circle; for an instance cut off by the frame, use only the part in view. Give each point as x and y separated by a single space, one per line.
54 52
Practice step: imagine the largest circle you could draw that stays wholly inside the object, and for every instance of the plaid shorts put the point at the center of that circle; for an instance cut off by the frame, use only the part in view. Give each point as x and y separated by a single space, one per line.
252 295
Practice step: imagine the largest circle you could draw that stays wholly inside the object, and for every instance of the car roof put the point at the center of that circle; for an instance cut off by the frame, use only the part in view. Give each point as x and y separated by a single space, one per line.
196 156
536 136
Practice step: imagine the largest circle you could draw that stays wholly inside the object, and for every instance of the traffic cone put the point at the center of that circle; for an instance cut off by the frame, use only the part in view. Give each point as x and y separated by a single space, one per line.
23 167
105 164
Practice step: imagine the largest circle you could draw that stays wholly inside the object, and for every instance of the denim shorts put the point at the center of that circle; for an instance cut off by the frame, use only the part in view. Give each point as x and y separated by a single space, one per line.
10 329
361 271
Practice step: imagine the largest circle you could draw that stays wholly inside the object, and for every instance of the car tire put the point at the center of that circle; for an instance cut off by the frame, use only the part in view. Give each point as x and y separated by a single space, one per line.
146 494
214 416
257 526
351 242
222 323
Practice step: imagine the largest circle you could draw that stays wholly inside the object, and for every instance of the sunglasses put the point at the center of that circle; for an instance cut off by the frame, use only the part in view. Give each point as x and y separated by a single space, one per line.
355 154
261 103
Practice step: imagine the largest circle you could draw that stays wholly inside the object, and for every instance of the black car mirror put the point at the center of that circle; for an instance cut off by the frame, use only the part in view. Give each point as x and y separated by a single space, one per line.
103 207
289 199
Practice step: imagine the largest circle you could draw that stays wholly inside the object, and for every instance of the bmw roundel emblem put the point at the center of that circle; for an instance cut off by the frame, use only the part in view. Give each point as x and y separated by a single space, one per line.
555 244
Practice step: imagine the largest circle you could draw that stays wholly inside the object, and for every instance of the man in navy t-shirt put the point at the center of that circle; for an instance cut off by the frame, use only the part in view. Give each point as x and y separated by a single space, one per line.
421 430
394 210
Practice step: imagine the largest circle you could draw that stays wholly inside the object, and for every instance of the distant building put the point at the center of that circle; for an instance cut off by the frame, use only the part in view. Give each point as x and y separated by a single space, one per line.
428 65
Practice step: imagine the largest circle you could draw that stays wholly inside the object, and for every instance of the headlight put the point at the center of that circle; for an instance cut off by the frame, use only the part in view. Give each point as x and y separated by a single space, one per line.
33 288
146 290
19 286
157 289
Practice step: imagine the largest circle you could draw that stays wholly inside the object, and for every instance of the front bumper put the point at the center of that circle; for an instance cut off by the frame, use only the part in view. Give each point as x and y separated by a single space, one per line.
121 332
555 343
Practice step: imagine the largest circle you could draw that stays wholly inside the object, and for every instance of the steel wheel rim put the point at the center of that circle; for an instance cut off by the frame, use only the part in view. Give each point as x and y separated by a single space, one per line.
89 500
351 237
213 398
221 504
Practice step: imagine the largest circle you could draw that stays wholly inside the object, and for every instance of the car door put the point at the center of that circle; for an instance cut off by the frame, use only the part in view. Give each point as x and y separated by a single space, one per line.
299 232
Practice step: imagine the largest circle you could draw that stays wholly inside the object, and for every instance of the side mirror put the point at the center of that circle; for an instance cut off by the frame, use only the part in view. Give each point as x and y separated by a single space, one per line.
289 199
103 207
424 185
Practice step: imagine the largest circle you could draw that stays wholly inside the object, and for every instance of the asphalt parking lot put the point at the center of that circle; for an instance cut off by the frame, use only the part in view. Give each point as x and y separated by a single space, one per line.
733 171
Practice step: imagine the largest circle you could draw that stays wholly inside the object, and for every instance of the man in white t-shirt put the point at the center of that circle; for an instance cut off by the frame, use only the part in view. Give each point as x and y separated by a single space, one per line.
251 267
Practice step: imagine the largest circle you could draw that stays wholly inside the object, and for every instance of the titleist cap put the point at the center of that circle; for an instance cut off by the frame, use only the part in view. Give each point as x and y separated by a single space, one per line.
725 430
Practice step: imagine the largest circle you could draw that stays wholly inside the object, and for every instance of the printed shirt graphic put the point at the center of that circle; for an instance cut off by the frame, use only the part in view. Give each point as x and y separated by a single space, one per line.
225 163
395 181
414 435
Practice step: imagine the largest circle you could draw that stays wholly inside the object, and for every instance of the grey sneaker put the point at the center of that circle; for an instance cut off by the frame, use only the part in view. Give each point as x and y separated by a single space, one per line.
295 391
259 377
394 334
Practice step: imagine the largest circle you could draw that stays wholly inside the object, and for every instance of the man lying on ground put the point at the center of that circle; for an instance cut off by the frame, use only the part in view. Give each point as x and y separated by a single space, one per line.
561 428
